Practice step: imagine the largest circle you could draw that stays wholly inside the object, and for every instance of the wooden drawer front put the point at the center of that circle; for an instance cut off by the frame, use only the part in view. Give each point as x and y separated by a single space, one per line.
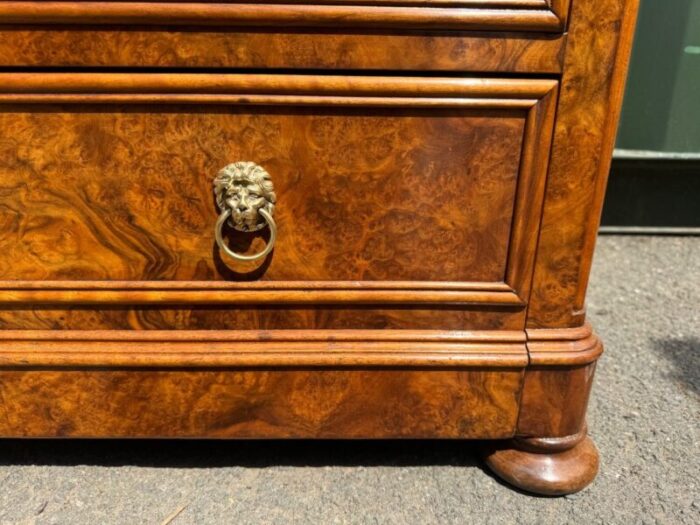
105 46
389 190
507 15
254 403
523 36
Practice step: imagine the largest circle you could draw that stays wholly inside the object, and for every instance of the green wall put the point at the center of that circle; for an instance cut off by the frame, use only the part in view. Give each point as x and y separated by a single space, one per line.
661 112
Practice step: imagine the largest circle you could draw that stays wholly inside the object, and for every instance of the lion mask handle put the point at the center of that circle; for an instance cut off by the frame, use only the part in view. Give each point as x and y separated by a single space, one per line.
246 198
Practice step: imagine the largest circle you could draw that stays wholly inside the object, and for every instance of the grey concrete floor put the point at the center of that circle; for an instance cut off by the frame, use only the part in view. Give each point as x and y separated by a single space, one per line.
644 416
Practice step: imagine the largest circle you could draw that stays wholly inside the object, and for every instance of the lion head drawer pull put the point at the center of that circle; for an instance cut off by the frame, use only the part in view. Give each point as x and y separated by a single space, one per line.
246 197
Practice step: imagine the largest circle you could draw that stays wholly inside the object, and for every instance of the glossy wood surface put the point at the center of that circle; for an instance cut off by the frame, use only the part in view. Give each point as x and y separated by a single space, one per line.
281 49
431 266
372 403
554 400
119 206
558 382
563 346
507 17
597 56
281 348
548 474
49 316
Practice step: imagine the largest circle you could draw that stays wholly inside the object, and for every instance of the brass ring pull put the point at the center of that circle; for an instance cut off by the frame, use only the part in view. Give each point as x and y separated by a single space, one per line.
222 244
246 197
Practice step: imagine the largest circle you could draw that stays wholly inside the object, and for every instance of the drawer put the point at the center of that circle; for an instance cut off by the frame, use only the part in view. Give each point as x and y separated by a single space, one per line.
524 36
256 403
511 15
415 196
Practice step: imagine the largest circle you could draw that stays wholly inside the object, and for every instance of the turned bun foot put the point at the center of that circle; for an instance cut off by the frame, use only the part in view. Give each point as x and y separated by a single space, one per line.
551 467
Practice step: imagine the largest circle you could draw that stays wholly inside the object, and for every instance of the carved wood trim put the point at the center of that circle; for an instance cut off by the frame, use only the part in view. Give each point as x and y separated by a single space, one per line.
294 348
258 292
557 385
535 96
164 84
529 198
507 15
544 445
275 348
561 9
168 293
265 100
563 347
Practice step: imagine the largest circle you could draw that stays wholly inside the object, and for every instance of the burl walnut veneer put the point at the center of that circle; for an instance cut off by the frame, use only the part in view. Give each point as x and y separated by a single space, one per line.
330 219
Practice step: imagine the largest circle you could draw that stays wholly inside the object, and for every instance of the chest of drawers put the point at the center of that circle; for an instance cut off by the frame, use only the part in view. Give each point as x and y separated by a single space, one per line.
332 219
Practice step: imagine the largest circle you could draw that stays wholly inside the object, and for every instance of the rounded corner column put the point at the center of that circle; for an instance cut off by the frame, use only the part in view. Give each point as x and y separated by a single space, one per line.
551 453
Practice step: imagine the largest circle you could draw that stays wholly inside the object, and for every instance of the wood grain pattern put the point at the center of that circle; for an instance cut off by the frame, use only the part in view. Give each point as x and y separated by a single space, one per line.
558 381
554 400
595 67
243 297
551 453
260 317
496 89
248 48
561 9
270 403
244 294
251 349
115 221
568 346
278 15
116 204
431 267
